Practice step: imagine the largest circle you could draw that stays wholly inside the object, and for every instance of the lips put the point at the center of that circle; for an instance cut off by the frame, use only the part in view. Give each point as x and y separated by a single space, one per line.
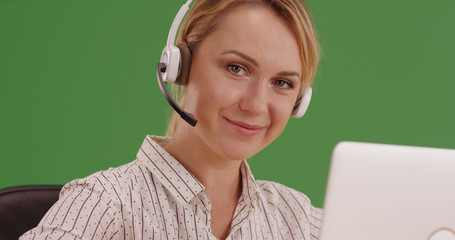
245 128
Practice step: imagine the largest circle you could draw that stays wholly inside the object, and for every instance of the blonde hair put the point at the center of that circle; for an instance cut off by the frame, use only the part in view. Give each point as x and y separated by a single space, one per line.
204 16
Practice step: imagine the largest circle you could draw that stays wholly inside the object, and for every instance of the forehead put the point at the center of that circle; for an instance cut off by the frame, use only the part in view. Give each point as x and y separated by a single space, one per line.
258 32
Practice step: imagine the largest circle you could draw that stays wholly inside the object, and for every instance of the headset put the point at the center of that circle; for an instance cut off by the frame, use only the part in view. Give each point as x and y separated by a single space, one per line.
175 64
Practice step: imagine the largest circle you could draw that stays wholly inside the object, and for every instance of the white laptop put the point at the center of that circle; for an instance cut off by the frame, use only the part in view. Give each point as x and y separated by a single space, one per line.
390 192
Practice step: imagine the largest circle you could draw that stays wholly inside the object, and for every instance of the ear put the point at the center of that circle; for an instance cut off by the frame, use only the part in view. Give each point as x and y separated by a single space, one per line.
185 64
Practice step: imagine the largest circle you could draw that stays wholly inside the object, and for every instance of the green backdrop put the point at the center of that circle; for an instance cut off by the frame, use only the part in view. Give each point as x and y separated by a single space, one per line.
78 89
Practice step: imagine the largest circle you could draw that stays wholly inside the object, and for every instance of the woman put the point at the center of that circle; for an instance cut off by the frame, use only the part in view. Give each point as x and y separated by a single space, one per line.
251 62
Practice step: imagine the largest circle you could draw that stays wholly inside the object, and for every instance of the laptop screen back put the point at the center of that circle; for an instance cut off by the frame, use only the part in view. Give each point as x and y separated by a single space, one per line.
378 191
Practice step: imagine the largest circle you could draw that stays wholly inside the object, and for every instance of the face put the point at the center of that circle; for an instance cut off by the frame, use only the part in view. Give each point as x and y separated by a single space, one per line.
244 82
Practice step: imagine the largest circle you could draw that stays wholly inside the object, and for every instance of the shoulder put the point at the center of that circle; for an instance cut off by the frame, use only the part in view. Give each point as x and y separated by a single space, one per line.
92 207
113 184
292 205
279 194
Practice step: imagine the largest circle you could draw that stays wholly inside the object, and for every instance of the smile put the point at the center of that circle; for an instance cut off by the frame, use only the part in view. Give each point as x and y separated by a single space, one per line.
245 129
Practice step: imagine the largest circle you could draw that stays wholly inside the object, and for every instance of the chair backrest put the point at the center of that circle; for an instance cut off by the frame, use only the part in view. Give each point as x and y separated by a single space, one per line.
21 208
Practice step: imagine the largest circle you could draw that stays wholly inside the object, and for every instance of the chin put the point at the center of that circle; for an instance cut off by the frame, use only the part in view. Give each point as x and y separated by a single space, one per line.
238 156
240 150
233 145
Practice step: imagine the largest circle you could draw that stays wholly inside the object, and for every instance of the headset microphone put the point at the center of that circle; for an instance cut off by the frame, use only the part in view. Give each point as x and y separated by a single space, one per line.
175 64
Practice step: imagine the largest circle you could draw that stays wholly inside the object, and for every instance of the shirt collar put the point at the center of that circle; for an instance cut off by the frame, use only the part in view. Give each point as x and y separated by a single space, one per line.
250 191
167 169
178 180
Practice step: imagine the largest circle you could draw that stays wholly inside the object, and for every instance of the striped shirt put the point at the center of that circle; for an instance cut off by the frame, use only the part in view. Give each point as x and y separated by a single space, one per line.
155 197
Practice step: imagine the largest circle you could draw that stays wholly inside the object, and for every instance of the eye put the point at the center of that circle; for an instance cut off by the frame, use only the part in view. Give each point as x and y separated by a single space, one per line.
236 69
283 84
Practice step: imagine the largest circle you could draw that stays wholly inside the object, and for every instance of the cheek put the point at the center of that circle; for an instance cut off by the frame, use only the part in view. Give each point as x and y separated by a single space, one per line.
206 93
198 89
212 88
281 112
281 118
225 95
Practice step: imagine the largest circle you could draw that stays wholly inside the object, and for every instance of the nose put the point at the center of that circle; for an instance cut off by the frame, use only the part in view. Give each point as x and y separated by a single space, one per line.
254 100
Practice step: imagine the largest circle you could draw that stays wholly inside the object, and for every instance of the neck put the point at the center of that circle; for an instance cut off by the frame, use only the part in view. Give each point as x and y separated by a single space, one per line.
219 175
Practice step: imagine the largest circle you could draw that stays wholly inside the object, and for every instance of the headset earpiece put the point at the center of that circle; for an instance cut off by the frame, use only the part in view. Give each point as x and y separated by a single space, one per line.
171 59
303 104
185 64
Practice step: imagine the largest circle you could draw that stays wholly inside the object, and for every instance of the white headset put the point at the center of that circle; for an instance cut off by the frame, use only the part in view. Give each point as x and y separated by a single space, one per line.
175 64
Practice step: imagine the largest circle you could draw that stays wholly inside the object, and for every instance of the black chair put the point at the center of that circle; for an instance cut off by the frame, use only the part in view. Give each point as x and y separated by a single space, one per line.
21 208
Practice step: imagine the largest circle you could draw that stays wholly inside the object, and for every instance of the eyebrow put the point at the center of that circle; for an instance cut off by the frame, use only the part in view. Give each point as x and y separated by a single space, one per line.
244 56
289 74
250 59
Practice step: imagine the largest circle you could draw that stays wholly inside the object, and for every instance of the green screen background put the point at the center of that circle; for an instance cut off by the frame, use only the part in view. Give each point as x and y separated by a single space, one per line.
78 89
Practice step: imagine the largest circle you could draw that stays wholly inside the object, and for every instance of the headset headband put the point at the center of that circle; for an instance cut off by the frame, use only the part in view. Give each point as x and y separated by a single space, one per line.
176 23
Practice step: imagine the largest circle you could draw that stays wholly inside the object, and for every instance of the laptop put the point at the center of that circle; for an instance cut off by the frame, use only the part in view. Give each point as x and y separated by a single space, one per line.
379 191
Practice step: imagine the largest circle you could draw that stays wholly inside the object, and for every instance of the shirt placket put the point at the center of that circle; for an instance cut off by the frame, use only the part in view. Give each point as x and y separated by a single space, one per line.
203 207
242 213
